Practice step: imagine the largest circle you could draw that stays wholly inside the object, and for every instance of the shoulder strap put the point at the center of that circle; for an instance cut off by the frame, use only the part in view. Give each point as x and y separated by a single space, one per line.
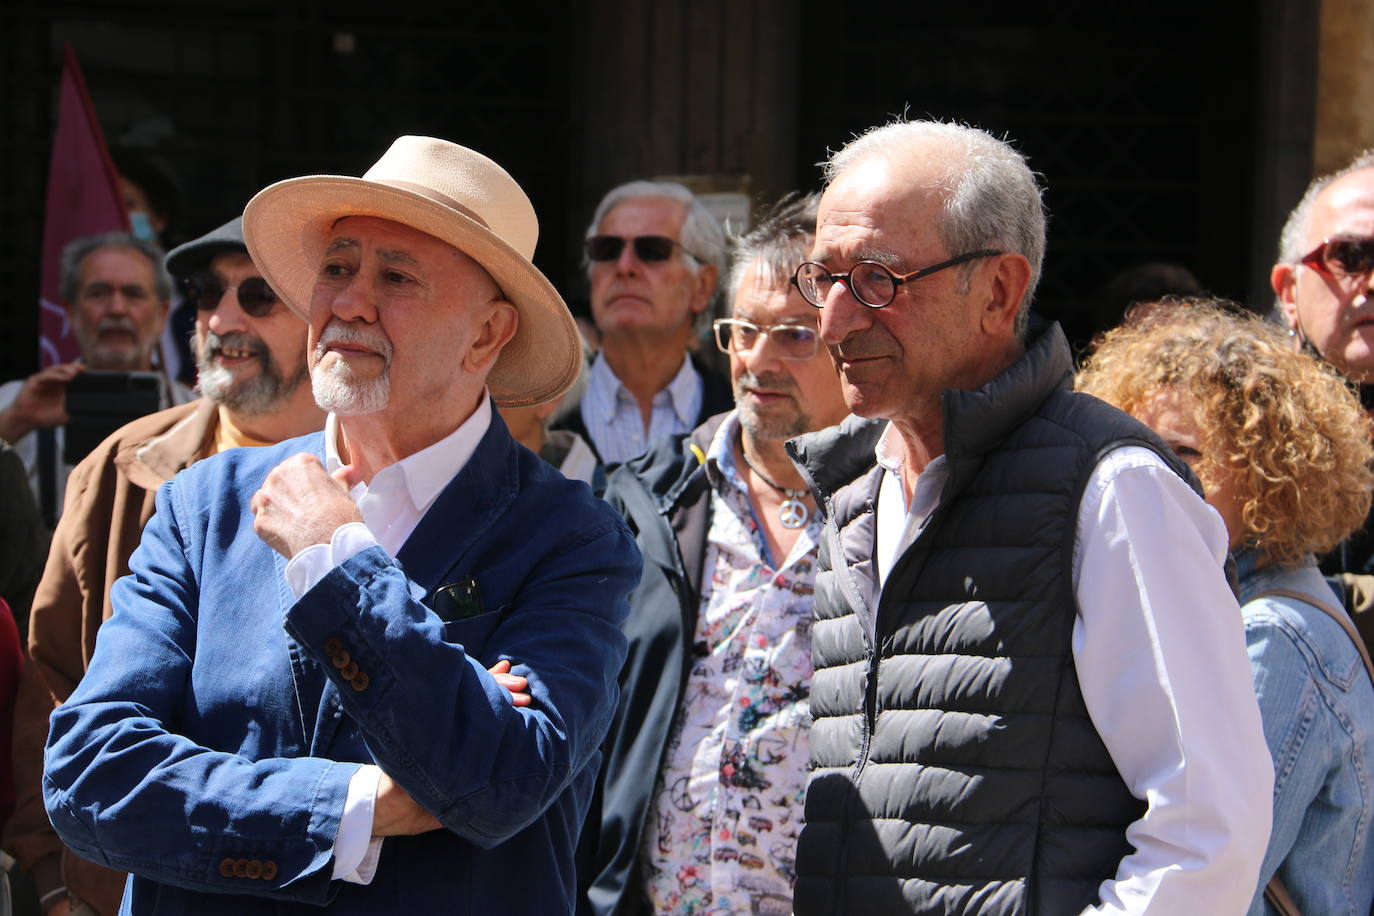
1280 899
1274 891
1337 614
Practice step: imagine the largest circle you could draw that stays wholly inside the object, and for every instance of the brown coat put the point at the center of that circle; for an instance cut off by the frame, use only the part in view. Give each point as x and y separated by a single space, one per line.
109 499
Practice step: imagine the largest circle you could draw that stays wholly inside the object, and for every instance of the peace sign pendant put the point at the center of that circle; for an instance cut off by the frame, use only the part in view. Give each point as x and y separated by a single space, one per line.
793 513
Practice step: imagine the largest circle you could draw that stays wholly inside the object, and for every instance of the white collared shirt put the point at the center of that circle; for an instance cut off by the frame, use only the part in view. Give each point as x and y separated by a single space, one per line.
392 505
1159 648
613 419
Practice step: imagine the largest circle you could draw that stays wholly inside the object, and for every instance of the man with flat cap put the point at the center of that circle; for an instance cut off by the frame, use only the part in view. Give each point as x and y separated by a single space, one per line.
250 353
290 707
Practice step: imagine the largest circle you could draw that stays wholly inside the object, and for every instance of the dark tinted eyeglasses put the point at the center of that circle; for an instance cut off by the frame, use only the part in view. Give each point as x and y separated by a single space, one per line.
872 283
648 248
793 341
255 296
1341 257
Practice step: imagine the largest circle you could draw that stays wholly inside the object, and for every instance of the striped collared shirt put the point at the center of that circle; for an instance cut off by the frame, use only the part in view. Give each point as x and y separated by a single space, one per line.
612 417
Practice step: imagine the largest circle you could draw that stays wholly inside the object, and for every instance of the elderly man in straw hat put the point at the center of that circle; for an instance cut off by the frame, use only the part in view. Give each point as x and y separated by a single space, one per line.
291 706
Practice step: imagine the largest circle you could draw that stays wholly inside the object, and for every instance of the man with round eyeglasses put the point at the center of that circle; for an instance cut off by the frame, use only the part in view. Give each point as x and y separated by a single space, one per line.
250 350
703 783
653 253
1031 690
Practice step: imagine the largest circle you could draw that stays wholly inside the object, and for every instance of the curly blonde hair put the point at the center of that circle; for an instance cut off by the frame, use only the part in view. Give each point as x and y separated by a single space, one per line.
1284 426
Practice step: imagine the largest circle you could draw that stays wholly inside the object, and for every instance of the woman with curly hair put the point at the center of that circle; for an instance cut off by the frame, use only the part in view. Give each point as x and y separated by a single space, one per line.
1283 451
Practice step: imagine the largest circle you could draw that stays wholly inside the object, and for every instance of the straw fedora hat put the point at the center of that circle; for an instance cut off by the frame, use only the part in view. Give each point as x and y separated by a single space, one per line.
456 195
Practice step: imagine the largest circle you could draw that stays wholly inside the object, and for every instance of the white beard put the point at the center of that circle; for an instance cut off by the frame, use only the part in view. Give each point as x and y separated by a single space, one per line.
339 391
335 386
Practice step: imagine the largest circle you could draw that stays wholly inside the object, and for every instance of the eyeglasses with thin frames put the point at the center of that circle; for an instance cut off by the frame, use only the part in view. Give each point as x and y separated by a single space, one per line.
792 341
872 283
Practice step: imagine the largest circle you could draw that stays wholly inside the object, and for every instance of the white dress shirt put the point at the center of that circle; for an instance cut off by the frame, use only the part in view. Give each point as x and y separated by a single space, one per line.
613 419
391 505
1159 648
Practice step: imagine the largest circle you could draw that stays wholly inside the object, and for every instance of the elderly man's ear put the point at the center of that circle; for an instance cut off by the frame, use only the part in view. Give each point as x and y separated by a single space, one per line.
495 332
1284 279
1004 283
705 286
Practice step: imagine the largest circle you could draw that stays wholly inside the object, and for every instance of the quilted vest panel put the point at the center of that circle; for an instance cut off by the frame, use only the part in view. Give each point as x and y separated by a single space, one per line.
956 768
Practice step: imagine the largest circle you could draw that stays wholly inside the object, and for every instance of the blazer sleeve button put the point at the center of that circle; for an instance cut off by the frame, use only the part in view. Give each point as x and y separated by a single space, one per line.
254 869
340 659
360 682
332 646
349 671
269 870
226 868
240 868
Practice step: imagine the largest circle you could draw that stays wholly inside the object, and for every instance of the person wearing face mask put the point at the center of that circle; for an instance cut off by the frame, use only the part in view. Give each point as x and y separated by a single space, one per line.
153 201
1283 451
116 295
255 390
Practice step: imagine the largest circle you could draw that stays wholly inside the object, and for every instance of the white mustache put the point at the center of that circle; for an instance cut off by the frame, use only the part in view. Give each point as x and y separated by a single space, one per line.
338 331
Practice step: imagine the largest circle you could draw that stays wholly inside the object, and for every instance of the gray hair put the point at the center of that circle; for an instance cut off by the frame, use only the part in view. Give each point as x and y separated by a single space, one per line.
992 198
1295 229
702 239
77 250
781 240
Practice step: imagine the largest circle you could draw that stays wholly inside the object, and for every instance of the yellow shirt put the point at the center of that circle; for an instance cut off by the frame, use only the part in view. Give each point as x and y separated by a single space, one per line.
229 436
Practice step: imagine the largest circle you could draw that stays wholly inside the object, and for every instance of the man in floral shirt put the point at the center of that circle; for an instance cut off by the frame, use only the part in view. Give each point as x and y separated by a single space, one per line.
703 785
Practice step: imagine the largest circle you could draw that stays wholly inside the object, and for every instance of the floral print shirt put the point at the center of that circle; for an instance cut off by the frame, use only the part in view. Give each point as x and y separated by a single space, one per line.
722 835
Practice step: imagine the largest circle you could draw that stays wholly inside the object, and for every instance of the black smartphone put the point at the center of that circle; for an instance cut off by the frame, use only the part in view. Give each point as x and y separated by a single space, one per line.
101 402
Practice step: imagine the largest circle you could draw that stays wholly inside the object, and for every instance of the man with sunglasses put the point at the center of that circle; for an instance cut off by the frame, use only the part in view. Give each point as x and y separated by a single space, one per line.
250 350
705 770
1324 288
1031 690
652 253
116 295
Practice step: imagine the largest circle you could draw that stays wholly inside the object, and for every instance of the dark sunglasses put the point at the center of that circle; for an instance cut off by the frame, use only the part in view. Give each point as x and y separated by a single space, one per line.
1342 257
648 248
255 296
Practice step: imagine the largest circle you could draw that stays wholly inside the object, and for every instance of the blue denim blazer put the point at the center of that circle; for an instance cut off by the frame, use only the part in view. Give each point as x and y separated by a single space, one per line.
1317 704
209 747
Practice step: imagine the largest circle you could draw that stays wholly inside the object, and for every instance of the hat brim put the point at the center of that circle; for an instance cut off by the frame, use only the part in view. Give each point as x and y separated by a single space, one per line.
286 226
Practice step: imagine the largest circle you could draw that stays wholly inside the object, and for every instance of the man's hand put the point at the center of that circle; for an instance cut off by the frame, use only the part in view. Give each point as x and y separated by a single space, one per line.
300 504
397 814
515 683
41 402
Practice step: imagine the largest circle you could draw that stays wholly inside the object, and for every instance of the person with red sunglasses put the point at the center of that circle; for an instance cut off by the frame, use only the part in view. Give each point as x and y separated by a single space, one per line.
1324 288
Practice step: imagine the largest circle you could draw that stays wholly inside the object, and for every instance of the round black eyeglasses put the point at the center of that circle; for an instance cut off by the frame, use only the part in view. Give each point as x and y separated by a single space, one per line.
872 283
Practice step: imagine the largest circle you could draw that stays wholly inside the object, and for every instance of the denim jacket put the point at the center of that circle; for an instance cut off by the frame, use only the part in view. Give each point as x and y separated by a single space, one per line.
1317 704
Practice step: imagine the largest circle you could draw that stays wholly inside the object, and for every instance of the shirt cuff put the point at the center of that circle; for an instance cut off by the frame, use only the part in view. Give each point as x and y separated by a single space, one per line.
307 568
355 850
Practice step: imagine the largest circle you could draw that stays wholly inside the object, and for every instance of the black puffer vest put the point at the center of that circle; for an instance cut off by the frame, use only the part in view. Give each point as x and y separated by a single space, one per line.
956 768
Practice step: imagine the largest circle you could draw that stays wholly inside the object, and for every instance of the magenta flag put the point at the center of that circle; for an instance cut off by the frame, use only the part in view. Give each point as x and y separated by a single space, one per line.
83 199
